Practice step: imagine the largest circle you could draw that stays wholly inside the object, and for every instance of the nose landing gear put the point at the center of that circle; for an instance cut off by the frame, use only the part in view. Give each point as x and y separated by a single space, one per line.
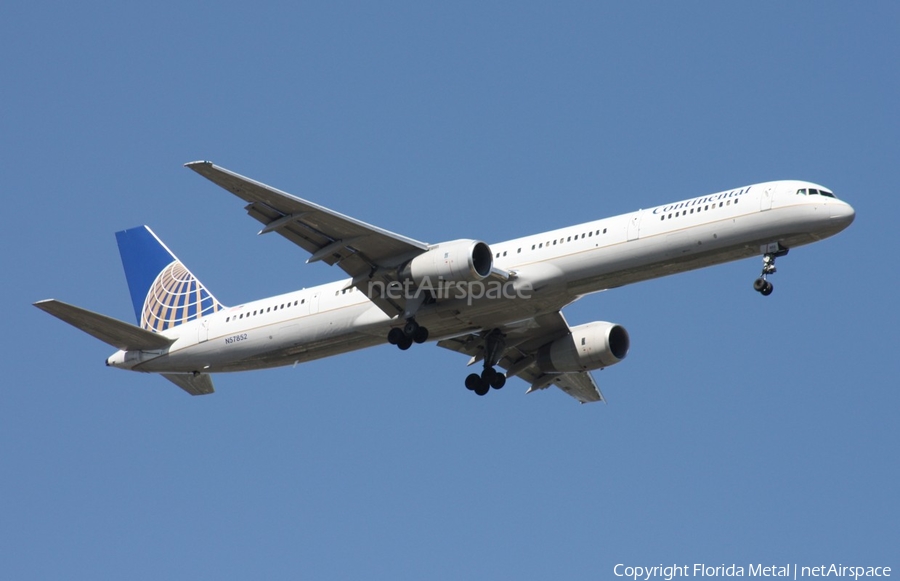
763 287
771 252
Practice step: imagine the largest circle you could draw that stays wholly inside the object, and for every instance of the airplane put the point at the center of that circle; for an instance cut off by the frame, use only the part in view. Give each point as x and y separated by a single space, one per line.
500 304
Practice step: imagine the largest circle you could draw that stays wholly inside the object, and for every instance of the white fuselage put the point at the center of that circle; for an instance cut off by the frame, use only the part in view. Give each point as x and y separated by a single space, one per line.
550 270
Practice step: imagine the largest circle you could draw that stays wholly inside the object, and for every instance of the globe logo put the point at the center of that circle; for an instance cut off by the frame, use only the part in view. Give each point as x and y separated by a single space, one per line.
176 297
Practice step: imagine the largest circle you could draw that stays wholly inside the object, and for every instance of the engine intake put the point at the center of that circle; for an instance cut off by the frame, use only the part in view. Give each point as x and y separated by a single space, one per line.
589 346
457 260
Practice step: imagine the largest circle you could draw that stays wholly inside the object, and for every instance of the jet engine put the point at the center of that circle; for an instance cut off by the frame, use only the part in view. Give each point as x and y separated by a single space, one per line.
457 260
589 346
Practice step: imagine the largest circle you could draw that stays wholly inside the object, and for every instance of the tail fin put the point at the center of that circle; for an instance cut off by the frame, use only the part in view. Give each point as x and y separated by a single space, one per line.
163 291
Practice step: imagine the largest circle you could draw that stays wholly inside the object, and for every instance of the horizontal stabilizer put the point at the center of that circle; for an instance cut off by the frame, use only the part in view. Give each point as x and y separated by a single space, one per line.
111 331
194 384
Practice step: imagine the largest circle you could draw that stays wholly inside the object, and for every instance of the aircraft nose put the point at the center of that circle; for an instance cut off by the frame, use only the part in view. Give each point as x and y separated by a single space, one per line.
842 214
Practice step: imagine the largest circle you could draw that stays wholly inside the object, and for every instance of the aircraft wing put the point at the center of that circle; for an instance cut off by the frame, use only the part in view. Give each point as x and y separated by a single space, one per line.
363 251
523 340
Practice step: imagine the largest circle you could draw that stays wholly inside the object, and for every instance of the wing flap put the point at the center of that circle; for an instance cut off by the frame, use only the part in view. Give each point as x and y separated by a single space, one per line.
111 331
194 384
580 385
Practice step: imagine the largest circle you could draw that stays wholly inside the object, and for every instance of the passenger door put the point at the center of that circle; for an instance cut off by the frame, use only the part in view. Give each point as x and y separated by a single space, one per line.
634 226
765 201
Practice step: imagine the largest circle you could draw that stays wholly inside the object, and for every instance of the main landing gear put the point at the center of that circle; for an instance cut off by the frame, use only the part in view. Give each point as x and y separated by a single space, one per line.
412 332
772 251
494 346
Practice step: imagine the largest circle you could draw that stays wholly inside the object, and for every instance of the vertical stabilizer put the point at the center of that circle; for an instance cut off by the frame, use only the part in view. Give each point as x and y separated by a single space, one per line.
163 291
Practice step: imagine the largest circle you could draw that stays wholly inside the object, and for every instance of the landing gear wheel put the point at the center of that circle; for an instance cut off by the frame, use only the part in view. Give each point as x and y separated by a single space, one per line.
405 343
410 328
395 335
763 287
421 335
494 347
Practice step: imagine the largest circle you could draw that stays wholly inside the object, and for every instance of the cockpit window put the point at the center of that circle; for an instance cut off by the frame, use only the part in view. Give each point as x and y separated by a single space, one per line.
814 192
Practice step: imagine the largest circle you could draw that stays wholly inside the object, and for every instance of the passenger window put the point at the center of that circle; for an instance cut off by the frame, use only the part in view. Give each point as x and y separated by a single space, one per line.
504 253
590 234
604 230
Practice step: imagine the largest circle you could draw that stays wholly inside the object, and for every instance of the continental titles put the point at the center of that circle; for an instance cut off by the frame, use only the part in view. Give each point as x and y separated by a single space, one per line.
702 200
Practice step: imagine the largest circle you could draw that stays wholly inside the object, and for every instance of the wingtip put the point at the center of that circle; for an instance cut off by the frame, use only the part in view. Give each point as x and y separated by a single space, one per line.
193 164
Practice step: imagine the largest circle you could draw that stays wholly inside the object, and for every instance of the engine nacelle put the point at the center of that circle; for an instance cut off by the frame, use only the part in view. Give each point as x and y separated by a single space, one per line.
457 260
590 346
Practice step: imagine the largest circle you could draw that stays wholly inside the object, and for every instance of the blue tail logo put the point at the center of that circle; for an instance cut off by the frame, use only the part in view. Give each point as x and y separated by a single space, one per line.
163 291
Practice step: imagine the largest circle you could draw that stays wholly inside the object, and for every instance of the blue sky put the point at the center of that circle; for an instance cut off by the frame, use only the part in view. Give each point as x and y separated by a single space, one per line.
739 429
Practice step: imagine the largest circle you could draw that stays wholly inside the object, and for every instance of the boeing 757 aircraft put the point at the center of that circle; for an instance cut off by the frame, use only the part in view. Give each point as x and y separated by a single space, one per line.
499 304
